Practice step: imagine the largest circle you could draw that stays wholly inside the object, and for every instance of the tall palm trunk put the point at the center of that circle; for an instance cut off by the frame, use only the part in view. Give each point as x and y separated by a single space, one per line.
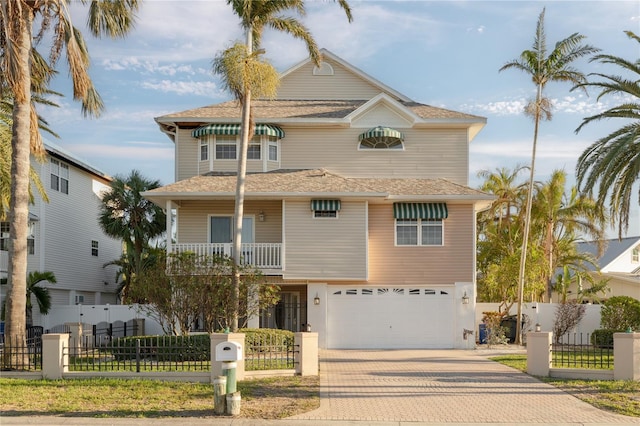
527 218
246 130
15 326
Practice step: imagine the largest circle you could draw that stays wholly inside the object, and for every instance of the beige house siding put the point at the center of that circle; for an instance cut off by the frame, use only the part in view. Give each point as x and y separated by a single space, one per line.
193 217
437 153
187 155
343 84
325 248
443 265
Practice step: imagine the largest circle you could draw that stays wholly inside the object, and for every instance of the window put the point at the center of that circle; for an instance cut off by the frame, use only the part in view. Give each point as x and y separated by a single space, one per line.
204 150
94 248
325 208
4 239
226 147
59 176
382 143
254 149
325 213
273 149
4 236
419 232
635 255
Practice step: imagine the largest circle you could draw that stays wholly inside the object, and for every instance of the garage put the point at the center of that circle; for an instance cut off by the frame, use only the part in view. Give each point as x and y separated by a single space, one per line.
390 317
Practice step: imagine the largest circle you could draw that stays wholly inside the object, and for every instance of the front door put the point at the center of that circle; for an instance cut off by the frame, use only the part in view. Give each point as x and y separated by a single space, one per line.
221 232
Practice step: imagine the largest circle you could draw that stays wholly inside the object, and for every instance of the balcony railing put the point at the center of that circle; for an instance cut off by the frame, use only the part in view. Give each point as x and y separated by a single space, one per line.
260 255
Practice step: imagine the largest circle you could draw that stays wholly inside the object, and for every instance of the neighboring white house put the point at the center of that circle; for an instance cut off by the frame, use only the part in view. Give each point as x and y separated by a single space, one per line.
357 204
619 264
64 235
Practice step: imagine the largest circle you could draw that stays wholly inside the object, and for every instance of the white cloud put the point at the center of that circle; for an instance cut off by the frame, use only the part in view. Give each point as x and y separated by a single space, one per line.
135 150
200 88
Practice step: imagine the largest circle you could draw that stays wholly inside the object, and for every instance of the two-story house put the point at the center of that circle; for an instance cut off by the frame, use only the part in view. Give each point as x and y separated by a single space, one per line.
357 205
64 235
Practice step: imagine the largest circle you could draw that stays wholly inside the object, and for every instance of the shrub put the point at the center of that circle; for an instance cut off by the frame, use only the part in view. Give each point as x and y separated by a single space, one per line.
568 316
261 339
620 313
195 347
602 338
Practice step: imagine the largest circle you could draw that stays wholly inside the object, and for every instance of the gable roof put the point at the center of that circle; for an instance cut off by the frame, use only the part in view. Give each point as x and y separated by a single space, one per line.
326 54
613 250
314 183
60 153
329 112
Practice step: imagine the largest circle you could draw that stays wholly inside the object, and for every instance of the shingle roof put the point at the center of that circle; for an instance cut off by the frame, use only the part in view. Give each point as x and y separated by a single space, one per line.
309 182
614 248
309 109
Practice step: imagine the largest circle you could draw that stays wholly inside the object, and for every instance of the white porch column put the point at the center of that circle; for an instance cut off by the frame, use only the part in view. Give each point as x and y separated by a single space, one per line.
168 226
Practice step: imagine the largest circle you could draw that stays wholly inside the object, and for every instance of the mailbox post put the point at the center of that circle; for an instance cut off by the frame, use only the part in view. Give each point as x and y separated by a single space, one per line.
229 353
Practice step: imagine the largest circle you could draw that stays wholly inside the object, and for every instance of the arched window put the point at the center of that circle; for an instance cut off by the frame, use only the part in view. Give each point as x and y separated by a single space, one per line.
381 138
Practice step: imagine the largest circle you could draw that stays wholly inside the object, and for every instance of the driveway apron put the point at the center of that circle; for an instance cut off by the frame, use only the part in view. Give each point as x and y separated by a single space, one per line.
441 386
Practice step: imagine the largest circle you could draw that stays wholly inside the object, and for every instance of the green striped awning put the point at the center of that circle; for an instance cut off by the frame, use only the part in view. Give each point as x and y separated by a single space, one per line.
234 129
379 132
325 205
420 211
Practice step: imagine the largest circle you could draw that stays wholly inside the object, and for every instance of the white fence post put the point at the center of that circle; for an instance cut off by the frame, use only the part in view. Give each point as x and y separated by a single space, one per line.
306 357
626 356
54 360
539 353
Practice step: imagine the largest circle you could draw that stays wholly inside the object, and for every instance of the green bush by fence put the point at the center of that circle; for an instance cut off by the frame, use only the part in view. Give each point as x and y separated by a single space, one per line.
195 347
263 339
602 338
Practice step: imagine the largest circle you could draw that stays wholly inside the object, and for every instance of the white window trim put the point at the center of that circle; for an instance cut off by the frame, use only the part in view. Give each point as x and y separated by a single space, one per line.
204 143
419 236
313 215
227 143
61 173
259 143
402 149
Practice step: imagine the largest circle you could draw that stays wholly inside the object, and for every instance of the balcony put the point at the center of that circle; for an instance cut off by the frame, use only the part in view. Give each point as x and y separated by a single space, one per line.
264 256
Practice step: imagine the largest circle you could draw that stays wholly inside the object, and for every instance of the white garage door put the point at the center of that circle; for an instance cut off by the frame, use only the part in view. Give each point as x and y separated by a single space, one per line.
390 317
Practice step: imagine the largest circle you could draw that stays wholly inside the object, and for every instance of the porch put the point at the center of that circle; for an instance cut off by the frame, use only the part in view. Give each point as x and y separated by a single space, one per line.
264 256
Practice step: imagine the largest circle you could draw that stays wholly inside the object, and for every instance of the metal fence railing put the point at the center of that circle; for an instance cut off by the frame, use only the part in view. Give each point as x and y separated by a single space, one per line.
270 352
138 354
23 352
581 350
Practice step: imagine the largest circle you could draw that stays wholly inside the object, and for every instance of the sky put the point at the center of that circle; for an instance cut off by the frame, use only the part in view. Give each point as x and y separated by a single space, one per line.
441 53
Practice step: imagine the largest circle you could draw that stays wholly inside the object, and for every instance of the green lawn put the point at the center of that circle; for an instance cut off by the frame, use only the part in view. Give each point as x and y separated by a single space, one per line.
618 396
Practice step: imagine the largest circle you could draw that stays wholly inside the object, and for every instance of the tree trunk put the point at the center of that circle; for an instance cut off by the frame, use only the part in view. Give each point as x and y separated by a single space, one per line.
15 327
246 132
527 221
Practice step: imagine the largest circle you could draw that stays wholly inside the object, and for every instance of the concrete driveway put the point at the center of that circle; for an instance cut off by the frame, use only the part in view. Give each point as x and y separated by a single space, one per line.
441 386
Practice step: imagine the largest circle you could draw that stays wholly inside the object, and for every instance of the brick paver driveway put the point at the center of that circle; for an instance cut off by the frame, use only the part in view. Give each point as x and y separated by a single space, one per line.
441 386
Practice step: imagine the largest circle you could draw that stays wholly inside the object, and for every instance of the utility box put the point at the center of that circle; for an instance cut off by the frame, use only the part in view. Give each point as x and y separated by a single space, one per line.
228 351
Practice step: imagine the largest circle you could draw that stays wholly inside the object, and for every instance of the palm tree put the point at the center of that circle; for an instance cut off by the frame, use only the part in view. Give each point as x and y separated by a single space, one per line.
106 17
254 16
544 68
612 164
556 216
41 293
126 215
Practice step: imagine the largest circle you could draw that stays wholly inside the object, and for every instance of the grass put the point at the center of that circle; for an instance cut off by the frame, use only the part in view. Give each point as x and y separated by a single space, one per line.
618 396
270 398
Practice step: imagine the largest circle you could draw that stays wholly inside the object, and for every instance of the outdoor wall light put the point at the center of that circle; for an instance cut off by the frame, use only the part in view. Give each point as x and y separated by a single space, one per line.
316 300
465 299
261 216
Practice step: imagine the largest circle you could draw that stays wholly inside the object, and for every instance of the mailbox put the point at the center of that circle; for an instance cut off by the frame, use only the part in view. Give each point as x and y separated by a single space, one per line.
228 351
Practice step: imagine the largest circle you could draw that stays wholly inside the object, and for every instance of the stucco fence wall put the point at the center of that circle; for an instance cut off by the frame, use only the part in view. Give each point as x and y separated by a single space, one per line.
544 314
626 359
55 362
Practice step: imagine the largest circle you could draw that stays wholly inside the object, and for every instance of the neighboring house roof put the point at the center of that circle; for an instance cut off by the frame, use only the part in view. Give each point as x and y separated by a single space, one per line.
58 152
314 183
613 250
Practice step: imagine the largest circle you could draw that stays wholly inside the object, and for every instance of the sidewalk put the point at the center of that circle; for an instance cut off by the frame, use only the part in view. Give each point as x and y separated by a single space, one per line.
409 388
